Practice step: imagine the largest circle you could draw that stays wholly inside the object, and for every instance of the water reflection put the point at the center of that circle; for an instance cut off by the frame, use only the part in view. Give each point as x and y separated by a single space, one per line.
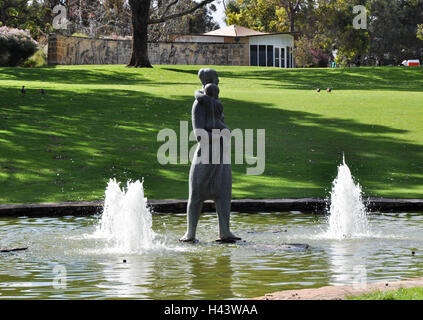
347 264
204 269
125 280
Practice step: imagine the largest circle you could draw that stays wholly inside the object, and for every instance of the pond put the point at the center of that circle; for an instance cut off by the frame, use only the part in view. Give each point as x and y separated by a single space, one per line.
65 260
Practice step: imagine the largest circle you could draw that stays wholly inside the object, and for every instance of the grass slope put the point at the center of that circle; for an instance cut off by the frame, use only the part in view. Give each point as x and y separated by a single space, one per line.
98 122
400 294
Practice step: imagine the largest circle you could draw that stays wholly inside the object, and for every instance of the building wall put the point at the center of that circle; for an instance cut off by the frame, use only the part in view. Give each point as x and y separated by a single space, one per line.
197 53
246 48
278 40
77 50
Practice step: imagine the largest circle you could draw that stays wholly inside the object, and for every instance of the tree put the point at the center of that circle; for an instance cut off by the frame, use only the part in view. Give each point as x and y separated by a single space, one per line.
393 30
200 21
310 52
97 18
266 15
142 16
33 16
292 8
334 23
260 15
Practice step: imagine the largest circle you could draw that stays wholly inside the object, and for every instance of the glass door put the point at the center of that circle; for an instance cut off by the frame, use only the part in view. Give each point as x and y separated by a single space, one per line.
277 65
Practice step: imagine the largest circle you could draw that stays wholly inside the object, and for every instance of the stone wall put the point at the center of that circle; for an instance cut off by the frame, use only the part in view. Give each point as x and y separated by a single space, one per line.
76 50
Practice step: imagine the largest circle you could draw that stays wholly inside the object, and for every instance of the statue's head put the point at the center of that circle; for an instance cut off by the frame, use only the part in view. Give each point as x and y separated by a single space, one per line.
212 90
207 76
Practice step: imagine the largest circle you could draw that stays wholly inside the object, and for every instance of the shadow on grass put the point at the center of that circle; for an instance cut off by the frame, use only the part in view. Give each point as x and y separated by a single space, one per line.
94 75
380 78
65 146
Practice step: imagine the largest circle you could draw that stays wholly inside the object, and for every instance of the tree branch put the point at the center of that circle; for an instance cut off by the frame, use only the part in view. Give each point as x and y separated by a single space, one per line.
169 6
297 5
179 14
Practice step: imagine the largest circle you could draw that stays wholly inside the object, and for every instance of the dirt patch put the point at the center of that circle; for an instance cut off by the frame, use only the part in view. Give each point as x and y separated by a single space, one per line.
340 292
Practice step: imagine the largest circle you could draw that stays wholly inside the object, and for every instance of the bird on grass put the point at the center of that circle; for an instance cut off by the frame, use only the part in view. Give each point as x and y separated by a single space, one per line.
318 90
23 90
329 89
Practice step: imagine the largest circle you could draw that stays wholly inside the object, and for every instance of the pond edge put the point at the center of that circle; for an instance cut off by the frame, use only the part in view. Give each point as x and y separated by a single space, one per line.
306 205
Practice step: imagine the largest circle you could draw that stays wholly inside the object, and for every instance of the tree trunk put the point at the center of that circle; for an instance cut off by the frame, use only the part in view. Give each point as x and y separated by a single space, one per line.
292 20
3 16
140 15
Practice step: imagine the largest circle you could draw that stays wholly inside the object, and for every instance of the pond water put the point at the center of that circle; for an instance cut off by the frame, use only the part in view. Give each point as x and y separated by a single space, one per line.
67 248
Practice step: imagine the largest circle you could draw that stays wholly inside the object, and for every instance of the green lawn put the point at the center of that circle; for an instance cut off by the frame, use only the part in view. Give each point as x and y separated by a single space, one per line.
400 294
98 122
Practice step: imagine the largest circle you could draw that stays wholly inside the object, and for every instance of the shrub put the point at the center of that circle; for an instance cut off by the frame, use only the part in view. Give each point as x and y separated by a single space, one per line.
39 59
15 46
309 52
420 31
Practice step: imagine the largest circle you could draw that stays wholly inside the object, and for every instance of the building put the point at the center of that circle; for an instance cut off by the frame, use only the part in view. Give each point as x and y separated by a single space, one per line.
229 46
260 49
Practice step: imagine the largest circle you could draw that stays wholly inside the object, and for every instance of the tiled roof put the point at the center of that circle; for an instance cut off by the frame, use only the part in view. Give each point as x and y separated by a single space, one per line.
234 31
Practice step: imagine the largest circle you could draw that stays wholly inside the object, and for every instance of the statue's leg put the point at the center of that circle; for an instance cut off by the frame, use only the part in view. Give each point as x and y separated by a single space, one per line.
195 202
223 204
193 215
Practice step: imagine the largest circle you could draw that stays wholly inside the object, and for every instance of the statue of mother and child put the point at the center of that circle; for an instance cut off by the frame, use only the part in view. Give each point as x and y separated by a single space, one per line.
209 180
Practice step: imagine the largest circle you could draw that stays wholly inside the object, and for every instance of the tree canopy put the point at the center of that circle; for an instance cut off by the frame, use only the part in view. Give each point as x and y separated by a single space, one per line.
323 28
393 32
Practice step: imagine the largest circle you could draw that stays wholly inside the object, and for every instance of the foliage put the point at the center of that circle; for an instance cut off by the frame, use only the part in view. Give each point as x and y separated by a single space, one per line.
256 14
34 16
15 46
393 30
265 15
97 18
199 21
335 23
310 52
100 18
391 35
420 31
38 59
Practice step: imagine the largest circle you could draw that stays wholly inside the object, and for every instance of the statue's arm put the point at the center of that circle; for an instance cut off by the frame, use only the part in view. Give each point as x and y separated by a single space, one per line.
198 119
220 106
199 94
202 98
221 116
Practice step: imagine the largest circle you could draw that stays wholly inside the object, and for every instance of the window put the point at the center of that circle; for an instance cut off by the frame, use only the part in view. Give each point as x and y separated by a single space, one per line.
277 57
270 56
288 57
262 56
253 55
282 57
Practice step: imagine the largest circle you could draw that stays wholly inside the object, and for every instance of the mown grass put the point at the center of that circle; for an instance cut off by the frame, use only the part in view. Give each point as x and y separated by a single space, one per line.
99 122
400 294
